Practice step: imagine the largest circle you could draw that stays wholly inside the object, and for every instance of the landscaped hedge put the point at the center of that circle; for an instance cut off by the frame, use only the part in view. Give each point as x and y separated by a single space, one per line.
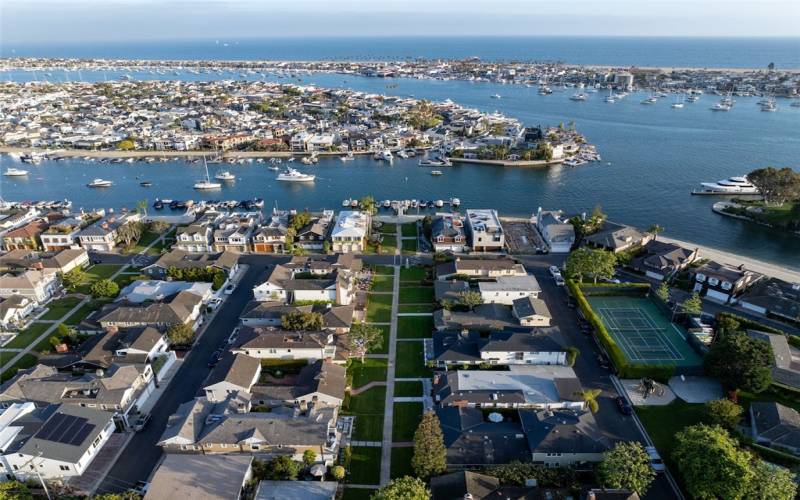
624 369
626 289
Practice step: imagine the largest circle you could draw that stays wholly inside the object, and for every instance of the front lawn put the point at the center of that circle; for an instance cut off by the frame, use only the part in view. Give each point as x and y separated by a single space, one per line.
125 279
80 314
26 336
401 462
58 308
409 229
371 370
663 422
410 361
385 270
382 283
26 361
379 308
147 238
416 295
416 308
365 465
405 421
384 347
408 389
416 273
95 273
414 327
409 246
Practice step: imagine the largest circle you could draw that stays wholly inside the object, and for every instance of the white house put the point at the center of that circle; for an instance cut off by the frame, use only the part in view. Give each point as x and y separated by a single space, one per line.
275 343
531 312
350 232
194 238
558 234
53 442
237 372
506 289
35 285
14 309
485 230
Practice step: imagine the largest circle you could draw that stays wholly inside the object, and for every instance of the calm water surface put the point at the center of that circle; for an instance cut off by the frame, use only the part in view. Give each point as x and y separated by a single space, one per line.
652 157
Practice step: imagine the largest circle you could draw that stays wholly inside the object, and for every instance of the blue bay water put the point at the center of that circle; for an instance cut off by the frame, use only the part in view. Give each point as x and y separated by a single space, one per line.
653 156
617 51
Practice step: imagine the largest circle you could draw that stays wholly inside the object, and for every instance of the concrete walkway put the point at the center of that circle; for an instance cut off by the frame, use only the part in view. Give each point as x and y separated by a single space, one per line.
366 387
80 304
388 414
415 314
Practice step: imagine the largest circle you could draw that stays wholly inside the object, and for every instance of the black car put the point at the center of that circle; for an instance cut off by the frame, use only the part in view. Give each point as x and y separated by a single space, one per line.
623 406
214 359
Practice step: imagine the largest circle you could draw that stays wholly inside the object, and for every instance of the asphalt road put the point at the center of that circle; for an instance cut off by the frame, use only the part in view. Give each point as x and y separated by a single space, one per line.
141 455
615 425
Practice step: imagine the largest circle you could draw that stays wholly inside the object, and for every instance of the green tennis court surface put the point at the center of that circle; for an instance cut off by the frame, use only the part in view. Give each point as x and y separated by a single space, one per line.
643 333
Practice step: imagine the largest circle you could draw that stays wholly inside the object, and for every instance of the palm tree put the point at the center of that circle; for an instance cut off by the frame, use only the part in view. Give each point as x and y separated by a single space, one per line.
655 230
589 396
368 205
142 206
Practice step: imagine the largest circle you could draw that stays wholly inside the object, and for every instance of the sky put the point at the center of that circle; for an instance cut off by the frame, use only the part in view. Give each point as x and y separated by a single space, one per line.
72 21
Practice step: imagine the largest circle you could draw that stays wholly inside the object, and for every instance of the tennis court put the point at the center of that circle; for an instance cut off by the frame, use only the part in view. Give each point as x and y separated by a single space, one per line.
643 333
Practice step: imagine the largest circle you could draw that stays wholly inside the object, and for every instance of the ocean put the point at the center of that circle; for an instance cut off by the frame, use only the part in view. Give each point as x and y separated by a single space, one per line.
653 156
613 51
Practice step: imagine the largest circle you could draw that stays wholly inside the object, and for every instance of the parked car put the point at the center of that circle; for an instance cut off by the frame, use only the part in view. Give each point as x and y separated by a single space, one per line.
214 303
623 406
214 358
229 289
559 280
555 271
233 336
655 459
141 422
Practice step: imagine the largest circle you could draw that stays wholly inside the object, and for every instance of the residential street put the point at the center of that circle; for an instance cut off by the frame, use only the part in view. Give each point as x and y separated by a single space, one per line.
141 455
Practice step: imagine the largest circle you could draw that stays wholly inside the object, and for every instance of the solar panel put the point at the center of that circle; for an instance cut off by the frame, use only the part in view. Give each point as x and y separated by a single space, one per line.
67 429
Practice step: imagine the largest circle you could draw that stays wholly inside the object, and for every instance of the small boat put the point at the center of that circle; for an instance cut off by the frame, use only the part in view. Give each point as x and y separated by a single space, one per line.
307 160
292 175
402 154
225 176
455 202
15 172
436 172
99 183
386 203
383 155
158 205
346 203
580 96
348 157
274 168
435 162
720 106
438 203
495 96
353 203
146 184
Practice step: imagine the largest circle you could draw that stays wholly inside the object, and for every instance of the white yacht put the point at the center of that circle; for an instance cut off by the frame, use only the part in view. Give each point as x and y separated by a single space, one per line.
435 162
206 184
650 100
15 172
402 154
99 183
436 172
348 157
34 158
721 106
225 176
769 106
580 96
732 185
292 175
496 96
383 155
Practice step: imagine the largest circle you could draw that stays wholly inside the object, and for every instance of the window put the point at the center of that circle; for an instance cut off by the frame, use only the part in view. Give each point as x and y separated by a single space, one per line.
63 467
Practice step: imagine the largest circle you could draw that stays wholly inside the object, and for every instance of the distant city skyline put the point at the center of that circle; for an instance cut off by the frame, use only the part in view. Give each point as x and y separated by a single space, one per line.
74 21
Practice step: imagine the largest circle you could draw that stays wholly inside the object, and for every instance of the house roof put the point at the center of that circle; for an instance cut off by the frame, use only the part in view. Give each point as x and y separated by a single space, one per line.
563 431
776 296
613 235
139 338
469 440
175 310
296 490
183 260
776 423
483 316
511 284
201 477
457 485
525 307
66 432
461 265
324 377
449 289
236 369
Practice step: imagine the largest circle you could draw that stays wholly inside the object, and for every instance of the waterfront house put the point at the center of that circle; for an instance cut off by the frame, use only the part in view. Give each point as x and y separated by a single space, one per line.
773 297
54 442
506 289
276 343
195 237
447 233
521 386
61 235
485 230
35 285
776 426
510 346
480 268
660 260
617 237
722 282
177 477
349 234
102 236
557 233
531 312
234 232
312 236
25 237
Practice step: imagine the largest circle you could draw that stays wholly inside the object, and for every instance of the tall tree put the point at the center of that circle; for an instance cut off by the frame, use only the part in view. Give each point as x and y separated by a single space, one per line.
73 279
430 456
594 263
301 320
771 482
363 337
104 288
282 468
626 466
368 205
723 412
655 230
470 299
740 362
404 488
662 292
711 464
776 185
693 305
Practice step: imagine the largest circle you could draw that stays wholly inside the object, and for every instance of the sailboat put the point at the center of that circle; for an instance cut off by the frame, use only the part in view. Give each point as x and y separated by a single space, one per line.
206 183
678 104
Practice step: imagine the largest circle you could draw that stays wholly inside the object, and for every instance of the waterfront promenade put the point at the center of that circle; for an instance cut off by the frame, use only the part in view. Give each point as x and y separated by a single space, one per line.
774 270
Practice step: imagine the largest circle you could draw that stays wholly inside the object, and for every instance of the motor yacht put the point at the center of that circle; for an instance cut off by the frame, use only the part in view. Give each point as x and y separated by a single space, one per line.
15 172
435 162
348 157
721 106
383 155
225 176
100 183
732 185
436 172
146 184
292 175
402 154
495 96
579 96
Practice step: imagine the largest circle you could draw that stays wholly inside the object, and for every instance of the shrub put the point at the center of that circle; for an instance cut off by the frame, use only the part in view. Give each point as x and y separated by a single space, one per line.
104 288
